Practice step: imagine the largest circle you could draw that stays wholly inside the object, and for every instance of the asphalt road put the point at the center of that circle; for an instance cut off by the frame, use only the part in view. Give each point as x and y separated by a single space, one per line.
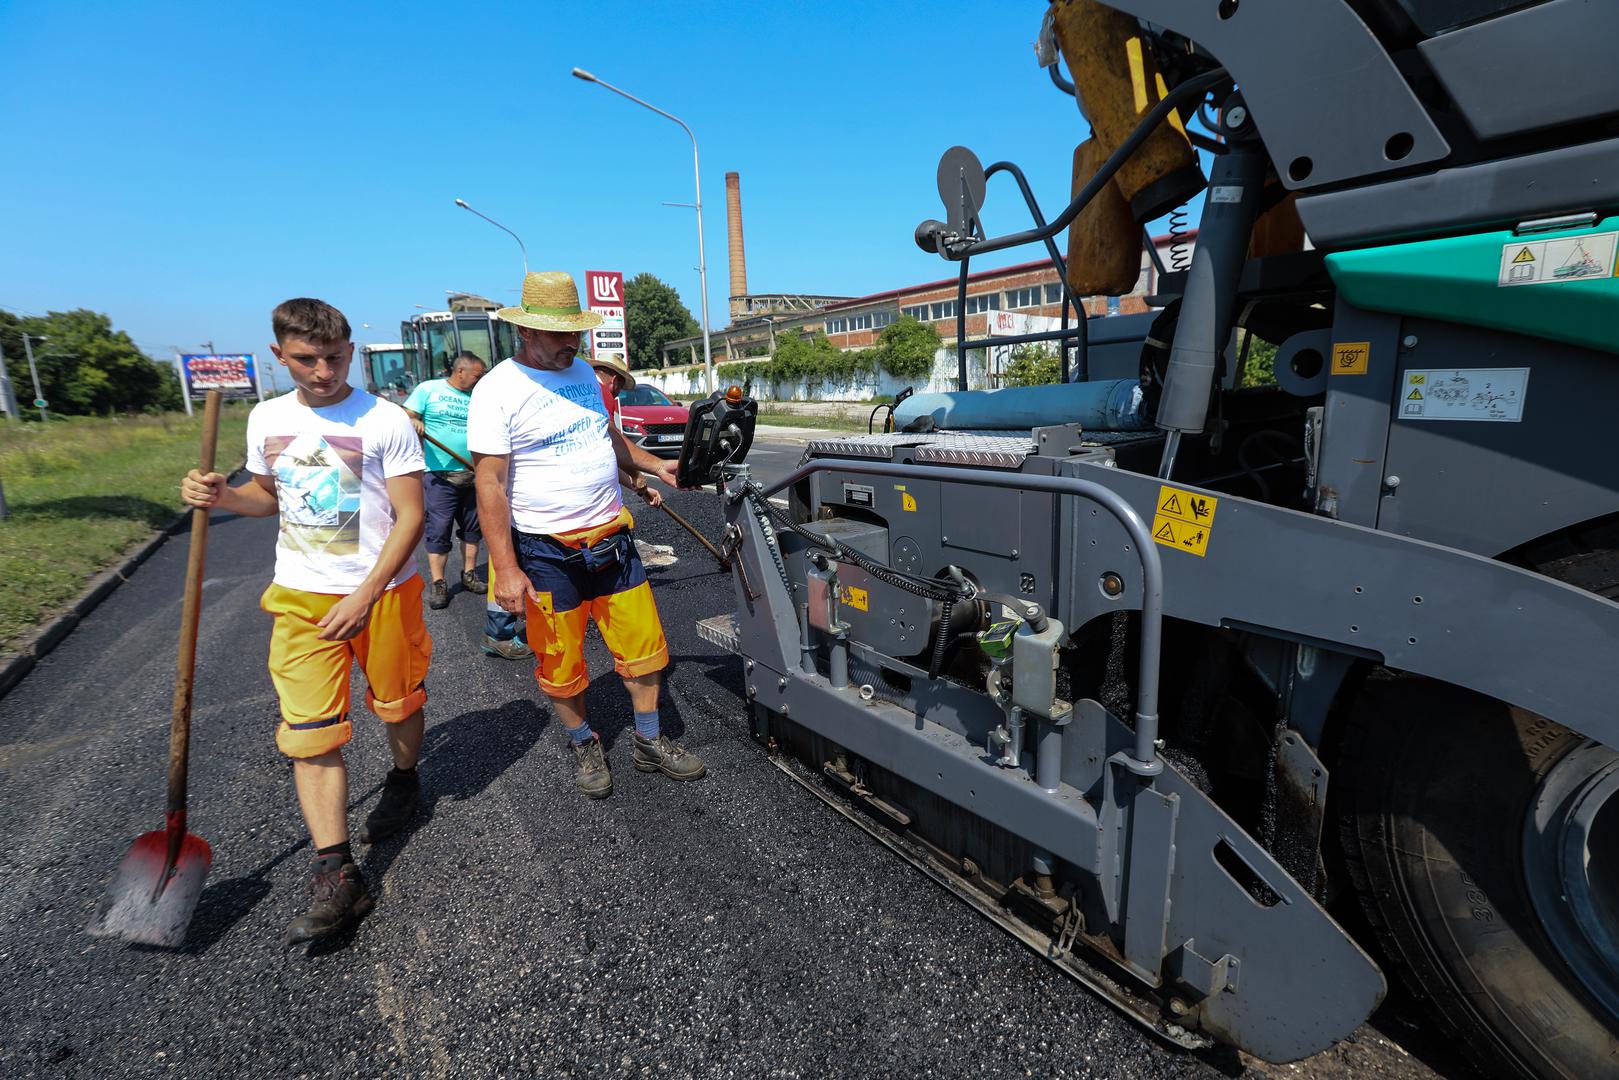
771 460
731 928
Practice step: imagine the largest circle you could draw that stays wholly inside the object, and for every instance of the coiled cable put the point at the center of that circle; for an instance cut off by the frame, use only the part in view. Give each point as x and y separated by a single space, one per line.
1180 256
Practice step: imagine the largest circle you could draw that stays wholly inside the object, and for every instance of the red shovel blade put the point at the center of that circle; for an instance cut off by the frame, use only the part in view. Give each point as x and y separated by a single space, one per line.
148 901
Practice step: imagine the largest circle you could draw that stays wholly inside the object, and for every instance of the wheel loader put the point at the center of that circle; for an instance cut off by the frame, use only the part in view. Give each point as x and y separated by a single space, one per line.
1240 696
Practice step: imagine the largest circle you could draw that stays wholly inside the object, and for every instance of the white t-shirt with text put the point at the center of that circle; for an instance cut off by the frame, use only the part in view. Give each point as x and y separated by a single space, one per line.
331 467
563 473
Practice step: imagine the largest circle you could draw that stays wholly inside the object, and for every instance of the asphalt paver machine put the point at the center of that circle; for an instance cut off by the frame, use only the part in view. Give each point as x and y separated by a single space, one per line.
1157 666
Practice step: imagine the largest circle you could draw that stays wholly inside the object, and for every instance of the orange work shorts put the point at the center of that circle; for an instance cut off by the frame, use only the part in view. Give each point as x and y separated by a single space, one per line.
589 574
311 676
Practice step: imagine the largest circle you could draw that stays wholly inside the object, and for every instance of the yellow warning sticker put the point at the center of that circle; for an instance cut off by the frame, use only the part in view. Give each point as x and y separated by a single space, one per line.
1183 519
855 598
1187 506
1417 378
907 501
1524 256
1172 532
1414 395
1351 357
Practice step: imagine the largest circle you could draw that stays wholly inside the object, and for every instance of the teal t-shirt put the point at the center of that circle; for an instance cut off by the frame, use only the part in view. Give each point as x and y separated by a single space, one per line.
443 410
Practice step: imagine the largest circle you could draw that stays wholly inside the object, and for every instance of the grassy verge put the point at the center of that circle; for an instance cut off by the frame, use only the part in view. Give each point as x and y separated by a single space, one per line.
82 492
845 422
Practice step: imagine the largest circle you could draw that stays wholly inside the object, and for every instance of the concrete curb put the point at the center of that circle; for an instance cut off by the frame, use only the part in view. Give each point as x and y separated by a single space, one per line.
14 666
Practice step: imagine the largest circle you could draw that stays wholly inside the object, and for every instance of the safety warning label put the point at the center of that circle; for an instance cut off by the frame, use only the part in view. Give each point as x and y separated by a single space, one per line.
1556 262
1351 357
1184 519
1495 394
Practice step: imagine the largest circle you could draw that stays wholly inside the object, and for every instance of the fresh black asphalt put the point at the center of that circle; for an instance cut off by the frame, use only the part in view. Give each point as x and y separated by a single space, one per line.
735 927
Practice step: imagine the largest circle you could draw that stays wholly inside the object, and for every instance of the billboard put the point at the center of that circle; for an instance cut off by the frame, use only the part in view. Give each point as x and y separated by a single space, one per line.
232 375
604 290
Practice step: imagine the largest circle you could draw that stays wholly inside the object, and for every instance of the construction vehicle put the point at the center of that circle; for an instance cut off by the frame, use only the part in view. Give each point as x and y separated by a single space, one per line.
1154 667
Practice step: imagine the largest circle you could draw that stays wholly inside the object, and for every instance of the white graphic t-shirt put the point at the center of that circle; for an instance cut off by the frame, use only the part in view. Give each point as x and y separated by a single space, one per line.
331 467
563 473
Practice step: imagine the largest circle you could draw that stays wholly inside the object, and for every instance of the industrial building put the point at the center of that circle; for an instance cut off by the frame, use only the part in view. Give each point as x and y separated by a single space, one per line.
1031 288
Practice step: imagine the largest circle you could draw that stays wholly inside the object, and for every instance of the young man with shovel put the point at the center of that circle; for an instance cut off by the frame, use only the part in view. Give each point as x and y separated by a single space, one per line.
344 469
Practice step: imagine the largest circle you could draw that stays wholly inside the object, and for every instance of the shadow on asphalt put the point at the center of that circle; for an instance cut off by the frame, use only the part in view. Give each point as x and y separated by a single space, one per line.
225 903
484 743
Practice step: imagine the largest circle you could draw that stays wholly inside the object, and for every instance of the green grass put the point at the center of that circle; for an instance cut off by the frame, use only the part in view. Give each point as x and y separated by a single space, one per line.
82 492
847 422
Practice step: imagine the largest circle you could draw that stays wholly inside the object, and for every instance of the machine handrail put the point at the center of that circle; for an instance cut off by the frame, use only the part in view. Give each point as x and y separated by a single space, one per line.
1190 89
1145 761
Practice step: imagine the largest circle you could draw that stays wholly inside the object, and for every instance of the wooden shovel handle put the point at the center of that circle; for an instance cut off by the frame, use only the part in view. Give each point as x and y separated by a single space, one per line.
185 665
447 450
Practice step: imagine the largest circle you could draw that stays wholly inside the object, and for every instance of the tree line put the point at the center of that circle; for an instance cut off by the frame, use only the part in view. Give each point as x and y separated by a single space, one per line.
86 368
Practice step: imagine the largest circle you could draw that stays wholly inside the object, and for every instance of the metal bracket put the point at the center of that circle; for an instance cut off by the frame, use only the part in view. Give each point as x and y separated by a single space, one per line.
1202 976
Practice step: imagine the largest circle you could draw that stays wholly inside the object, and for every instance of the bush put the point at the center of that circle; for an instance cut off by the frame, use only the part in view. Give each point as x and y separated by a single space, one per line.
1259 369
907 348
1033 365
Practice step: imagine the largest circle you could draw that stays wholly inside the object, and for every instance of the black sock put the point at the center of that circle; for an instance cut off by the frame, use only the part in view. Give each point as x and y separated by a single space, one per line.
396 773
342 850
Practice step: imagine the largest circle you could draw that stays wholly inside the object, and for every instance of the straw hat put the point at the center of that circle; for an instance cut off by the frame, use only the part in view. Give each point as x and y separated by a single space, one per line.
550 302
614 366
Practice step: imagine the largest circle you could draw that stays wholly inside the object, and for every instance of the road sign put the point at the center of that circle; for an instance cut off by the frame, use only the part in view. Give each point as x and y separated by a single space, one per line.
605 289
40 403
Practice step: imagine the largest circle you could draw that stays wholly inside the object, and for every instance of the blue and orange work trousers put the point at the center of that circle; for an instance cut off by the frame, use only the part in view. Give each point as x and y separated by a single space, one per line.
592 573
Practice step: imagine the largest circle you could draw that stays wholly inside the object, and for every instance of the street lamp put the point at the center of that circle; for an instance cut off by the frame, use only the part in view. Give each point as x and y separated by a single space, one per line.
697 176
39 395
462 203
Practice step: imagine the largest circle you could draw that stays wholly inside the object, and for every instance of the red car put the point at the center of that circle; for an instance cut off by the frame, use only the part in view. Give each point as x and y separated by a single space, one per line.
652 421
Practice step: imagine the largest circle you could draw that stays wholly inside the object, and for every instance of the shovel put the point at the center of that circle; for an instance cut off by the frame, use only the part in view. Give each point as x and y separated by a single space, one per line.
151 898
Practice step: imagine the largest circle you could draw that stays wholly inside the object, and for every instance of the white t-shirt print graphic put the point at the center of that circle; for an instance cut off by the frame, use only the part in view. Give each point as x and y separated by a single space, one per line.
318 484
563 472
331 467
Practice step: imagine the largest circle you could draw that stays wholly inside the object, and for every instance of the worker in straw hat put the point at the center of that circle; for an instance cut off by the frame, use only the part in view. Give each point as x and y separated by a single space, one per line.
547 461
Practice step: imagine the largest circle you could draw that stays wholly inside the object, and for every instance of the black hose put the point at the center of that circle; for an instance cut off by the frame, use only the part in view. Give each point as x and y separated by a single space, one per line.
941 640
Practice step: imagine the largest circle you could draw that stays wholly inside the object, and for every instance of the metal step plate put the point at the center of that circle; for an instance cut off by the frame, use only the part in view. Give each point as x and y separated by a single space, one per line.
721 630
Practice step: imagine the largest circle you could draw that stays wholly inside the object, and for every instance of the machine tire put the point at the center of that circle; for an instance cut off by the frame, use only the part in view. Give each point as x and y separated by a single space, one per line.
1436 785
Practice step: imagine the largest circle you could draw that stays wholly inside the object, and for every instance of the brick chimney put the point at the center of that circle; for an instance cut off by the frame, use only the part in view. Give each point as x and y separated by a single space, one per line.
733 232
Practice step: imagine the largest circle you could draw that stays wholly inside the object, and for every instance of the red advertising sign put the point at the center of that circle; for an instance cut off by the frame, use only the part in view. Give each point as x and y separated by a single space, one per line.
604 291
232 375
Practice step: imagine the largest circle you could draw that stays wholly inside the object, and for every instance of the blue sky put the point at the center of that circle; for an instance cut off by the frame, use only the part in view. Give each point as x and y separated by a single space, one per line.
186 167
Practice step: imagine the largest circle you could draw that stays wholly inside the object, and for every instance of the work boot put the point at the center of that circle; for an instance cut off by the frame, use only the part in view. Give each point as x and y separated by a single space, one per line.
667 757
438 597
338 901
472 583
515 649
401 798
592 777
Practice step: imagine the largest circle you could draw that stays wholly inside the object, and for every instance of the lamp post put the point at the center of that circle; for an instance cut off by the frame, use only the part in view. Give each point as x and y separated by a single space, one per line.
8 397
462 203
697 176
39 395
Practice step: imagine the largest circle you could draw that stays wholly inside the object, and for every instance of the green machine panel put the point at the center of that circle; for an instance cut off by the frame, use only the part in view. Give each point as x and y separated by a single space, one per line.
1561 284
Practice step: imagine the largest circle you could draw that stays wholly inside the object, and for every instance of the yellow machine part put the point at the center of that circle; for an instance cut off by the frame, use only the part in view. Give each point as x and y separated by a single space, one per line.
1118 82
1279 231
1104 242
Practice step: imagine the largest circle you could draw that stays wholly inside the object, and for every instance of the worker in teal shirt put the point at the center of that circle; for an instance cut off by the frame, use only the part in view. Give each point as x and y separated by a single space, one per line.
438 409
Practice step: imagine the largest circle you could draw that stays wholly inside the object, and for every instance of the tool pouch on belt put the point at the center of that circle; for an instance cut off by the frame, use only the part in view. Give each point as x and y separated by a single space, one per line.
460 479
604 554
